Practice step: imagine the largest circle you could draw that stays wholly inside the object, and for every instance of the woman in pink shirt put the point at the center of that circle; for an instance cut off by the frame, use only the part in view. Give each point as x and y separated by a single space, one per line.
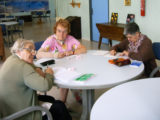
59 45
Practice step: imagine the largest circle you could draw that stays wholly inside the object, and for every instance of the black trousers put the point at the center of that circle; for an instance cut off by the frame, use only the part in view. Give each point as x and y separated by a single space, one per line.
46 98
58 108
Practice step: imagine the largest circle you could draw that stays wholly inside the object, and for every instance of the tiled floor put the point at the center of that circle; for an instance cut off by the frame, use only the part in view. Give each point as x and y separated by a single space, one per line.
39 32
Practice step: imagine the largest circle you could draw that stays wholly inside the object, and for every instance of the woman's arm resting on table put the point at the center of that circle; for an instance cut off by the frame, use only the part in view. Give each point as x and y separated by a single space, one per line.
113 52
81 49
42 53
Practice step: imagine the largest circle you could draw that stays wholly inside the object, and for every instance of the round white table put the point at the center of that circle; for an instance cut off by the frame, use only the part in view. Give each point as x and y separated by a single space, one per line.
135 100
106 75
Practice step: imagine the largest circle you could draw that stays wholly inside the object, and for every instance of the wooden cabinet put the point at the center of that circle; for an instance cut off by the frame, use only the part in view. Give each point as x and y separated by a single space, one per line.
75 24
110 31
2 53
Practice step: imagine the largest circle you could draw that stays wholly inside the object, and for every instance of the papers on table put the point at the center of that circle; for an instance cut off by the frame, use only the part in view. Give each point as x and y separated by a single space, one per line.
65 75
111 56
70 75
105 54
101 52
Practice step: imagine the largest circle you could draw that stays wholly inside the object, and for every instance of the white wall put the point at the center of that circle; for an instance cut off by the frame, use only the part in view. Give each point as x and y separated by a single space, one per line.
52 7
149 24
64 9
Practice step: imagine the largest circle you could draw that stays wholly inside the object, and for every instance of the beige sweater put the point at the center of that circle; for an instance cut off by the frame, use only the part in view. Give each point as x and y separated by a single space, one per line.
18 85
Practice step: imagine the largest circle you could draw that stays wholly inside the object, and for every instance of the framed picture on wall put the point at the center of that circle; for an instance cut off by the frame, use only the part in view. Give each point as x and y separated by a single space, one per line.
130 18
127 2
114 18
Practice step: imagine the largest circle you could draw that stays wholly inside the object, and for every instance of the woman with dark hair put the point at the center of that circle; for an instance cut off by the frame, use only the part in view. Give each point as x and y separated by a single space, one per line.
136 46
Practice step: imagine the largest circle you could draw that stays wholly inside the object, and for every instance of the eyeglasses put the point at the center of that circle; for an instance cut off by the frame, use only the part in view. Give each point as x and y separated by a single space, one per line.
30 50
62 31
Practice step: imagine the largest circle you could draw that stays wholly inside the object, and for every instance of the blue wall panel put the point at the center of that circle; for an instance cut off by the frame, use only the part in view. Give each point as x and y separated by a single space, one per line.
99 15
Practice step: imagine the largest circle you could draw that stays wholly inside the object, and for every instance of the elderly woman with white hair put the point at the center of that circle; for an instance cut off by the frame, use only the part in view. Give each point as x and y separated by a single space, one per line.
19 80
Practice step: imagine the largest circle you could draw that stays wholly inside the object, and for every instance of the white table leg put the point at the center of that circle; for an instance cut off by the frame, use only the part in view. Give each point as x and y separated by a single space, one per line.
87 102
90 100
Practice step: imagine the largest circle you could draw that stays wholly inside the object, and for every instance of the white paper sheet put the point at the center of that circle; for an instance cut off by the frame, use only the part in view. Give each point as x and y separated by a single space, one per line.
111 56
64 74
100 52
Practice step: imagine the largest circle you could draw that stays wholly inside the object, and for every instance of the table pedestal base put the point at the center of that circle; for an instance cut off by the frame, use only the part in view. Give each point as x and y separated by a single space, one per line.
87 101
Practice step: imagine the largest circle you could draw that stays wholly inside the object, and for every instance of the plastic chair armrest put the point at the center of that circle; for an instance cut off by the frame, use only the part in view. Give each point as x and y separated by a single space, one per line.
26 111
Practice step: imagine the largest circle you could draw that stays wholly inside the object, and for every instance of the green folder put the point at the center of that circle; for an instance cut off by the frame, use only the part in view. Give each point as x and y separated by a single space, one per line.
84 77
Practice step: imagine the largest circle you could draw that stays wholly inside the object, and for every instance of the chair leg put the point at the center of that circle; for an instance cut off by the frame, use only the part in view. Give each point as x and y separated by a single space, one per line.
50 20
154 72
22 35
12 39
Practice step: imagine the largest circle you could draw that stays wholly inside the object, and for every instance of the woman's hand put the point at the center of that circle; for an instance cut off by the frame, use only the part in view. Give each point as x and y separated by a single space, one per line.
113 52
49 71
68 53
61 55
40 72
124 53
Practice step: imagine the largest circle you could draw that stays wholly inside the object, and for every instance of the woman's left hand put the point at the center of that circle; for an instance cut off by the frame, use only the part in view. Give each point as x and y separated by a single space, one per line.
40 72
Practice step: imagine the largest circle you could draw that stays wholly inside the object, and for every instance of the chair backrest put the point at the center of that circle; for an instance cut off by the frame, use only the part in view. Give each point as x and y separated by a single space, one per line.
48 12
33 12
38 44
156 49
3 26
2 15
21 22
39 13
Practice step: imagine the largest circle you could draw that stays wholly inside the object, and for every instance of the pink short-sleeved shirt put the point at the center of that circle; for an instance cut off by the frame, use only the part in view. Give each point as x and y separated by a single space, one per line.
51 44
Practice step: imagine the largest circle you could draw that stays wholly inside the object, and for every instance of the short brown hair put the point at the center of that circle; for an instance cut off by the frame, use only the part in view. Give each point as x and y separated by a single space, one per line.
63 23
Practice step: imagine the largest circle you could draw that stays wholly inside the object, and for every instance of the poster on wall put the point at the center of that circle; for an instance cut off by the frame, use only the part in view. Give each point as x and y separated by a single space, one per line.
127 2
130 18
11 6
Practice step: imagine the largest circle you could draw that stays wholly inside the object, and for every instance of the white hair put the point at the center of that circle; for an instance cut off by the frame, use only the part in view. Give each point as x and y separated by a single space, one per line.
19 45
